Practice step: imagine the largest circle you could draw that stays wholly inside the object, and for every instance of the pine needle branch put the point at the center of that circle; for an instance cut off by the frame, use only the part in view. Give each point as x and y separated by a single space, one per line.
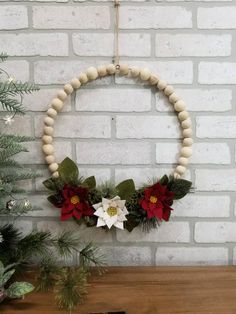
3 57
66 243
90 256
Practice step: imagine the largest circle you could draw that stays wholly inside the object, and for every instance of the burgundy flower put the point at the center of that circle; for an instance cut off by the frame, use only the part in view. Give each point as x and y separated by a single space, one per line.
157 201
75 203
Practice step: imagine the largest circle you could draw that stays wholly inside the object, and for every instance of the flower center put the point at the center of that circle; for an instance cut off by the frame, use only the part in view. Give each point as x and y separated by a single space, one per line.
153 199
112 211
75 199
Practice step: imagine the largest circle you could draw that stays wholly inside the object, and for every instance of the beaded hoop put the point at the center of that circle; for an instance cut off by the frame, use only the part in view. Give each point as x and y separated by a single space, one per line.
93 73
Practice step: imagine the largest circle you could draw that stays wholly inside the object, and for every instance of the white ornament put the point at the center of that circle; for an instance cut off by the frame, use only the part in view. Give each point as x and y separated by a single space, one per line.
48 130
68 89
92 73
62 95
111 68
173 98
123 69
50 159
153 80
83 78
180 106
53 167
8 120
11 79
186 124
49 121
180 169
57 104
102 71
111 212
52 113
135 71
183 115
188 141
186 152
47 139
168 90
183 161
187 132
145 74
55 175
48 149
161 84
75 83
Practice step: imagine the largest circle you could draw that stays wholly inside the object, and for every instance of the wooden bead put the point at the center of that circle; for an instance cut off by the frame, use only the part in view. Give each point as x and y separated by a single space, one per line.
180 169
53 167
50 159
180 105
177 175
187 141
52 113
173 98
186 124
48 149
183 115
92 73
83 78
168 90
111 68
49 121
57 104
186 152
187 132
62 95
123 69
48 130
161 85
183 161
145 74
68 89
47 139
135 71
55 175
102 70
153 80
75 83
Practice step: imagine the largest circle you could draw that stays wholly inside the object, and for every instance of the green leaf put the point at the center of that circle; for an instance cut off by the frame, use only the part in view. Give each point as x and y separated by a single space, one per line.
5 277
90 182
1 268
131 223
180 187
68 171
55 199
50 184
18 289
126 189
164 180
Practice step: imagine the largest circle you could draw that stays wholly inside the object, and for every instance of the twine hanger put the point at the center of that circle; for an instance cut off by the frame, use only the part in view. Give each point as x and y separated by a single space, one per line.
117 21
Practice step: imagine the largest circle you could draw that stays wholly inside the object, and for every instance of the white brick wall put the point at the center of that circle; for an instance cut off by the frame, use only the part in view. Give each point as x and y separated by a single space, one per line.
117 129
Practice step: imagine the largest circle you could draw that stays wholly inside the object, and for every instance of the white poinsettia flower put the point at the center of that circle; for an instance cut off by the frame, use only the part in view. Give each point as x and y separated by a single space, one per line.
111 212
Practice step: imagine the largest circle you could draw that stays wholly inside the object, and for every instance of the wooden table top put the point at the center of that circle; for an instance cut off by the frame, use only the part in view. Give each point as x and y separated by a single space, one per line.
147 290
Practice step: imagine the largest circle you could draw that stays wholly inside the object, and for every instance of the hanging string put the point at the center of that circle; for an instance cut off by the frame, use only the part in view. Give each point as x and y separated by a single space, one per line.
117 20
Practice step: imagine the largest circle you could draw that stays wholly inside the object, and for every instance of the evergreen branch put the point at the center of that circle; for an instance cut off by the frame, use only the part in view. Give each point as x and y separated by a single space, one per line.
12 177
6 138
90 256
66 243
10 163
48 269
11 105
11 151
3 57
16 88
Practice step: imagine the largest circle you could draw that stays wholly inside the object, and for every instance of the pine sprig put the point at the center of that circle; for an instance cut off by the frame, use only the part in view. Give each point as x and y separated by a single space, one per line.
65 244
90 256
48 270
16 88
3 57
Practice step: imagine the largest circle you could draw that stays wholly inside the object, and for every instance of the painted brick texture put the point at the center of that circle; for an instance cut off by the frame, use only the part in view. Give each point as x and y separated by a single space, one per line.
116 129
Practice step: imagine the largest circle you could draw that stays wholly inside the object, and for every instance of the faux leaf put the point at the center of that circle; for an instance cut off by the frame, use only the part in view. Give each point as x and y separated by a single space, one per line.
131 223
68 171
90 182
55 199
18 289
180 187
50 184
1 268
126 189
164 180
5 277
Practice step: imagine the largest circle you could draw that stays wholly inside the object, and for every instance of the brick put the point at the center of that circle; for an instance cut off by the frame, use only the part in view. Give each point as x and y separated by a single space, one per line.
40 100
215 232
87 44
199 100
191 256
182 45
155 17
13 17
24 227
127 256
217 73
203 153
216 126
112 153
79 127
34 44
143 176
178 232
202 206
20 123
174 72
18 69
147 127
43 207
71 17
96 235
114 99
214 18
216 179
36 156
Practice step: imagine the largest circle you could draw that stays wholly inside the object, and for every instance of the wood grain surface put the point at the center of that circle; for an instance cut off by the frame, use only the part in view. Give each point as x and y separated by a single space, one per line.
147 290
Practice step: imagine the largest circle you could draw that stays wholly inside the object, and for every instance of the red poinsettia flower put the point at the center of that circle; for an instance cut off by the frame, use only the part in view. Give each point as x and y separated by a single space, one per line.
75 203
157 201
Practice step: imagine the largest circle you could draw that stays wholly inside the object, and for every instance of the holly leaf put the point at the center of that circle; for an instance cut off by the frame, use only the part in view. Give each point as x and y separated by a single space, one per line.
18 289
180 187
68 171
52 184
126 189
90 182
131 223
55 199
164 180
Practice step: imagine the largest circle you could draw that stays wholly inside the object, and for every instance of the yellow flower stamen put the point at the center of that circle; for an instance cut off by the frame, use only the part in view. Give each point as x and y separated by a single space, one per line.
153 199
112 211
75 199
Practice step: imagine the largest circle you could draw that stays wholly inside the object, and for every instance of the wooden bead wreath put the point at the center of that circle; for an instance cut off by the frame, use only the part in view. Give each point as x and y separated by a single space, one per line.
121 206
